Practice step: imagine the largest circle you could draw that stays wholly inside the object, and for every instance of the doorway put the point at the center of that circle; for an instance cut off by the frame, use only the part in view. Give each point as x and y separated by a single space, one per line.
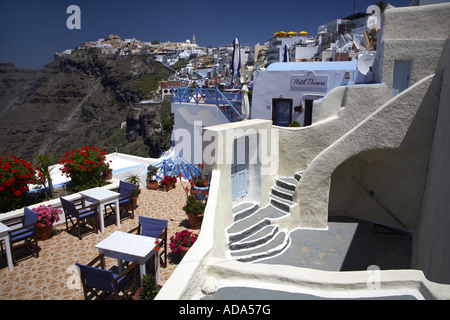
239 167
402 73
307 121
281 112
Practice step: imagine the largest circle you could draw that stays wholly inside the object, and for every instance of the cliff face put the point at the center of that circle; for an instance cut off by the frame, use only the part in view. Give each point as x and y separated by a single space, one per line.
82 99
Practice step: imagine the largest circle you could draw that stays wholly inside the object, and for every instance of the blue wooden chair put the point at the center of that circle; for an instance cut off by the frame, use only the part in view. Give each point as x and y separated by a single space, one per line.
125 199
155 228
100 283
80 217
23 236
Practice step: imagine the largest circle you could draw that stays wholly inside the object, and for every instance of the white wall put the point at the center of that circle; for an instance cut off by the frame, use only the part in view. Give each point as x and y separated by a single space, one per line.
189 119
277 84
433 228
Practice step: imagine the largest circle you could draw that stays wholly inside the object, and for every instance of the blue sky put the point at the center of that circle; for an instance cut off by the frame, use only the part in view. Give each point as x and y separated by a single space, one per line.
32 31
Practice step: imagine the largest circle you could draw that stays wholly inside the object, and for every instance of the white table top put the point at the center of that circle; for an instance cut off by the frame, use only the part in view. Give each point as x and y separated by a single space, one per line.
3 230
99 194
127 246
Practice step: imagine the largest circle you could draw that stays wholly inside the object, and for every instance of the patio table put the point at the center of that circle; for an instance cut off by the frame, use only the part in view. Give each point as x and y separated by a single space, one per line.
5 237
102 196
130 247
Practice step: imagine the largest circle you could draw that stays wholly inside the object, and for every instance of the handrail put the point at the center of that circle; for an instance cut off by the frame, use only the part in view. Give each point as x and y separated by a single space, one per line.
207 96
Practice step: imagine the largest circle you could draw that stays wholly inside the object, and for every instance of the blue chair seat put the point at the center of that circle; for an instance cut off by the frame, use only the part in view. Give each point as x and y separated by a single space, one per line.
155 228
125 199
25 235
16 236
79 217
100 282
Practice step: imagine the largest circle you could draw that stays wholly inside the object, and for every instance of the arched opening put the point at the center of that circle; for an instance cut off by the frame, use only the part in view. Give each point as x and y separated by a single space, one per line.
375 199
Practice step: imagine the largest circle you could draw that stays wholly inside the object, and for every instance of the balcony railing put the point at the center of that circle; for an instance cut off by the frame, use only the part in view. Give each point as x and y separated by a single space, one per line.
209 96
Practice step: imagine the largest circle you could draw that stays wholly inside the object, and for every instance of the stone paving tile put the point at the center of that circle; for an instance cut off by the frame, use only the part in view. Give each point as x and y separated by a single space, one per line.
53 276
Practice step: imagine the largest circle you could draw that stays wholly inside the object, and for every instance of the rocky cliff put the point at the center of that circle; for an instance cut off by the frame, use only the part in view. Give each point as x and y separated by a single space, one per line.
83 98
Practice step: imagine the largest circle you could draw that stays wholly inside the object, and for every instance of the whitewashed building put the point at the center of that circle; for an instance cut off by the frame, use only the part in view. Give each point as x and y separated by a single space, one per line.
285 92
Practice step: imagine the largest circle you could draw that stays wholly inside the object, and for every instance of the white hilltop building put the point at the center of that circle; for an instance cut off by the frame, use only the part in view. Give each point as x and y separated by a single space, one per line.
352 206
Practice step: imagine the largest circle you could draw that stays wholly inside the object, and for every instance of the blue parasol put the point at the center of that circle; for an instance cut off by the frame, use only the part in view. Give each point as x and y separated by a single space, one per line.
287 54
176 165
236 63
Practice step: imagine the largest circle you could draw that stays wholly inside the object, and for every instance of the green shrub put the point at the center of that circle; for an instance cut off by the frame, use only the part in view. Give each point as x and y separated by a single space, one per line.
193 206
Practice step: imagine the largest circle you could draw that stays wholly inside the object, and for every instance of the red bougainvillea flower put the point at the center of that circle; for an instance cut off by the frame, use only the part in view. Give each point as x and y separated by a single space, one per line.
15 177
87 168
157 247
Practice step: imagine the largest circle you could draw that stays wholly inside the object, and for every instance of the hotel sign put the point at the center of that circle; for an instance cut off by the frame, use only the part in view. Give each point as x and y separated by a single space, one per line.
309 82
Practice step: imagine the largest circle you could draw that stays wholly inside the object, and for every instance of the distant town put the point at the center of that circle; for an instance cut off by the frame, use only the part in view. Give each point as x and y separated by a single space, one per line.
337 40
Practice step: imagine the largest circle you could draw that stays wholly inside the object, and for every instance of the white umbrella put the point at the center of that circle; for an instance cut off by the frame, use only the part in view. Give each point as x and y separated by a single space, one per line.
245 103
287 55
236 63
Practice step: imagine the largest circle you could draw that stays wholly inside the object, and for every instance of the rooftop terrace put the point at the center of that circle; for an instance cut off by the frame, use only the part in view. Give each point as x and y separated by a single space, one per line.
52 275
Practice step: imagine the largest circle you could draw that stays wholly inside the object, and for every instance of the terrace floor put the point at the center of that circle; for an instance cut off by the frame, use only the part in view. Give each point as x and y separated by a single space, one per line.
52 276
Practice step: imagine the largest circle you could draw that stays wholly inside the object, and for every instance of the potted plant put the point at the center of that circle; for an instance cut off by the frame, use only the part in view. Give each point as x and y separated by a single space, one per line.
168 183
149 289
182 241
200 188
47 215
152 183
134 178
195 210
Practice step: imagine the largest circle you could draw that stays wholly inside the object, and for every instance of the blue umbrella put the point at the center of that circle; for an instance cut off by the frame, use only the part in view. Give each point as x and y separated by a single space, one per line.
236 63
176 165
287 54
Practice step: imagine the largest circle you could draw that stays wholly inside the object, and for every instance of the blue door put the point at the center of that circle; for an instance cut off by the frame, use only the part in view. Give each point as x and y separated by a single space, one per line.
239 168
281 112
402 73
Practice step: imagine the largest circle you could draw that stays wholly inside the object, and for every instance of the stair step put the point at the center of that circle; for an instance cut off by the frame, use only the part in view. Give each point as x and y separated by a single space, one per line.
281 204
245 233
271 248
257 238
268 212
287 183
283 193
243 210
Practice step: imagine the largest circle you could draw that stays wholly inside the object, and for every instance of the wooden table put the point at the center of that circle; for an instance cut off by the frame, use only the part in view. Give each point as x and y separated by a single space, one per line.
130 247
102 196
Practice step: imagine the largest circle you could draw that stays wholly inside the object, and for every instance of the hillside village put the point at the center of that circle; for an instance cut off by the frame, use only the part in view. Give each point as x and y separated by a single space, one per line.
349 203
337 40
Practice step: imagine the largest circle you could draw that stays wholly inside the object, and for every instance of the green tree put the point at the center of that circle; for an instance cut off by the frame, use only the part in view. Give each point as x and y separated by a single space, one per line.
44 161
382 5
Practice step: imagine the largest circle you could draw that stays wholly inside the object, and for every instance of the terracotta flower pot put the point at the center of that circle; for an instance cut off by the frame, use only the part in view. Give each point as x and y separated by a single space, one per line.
183 251
195 221
138 292
44 232
166 187
152 185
